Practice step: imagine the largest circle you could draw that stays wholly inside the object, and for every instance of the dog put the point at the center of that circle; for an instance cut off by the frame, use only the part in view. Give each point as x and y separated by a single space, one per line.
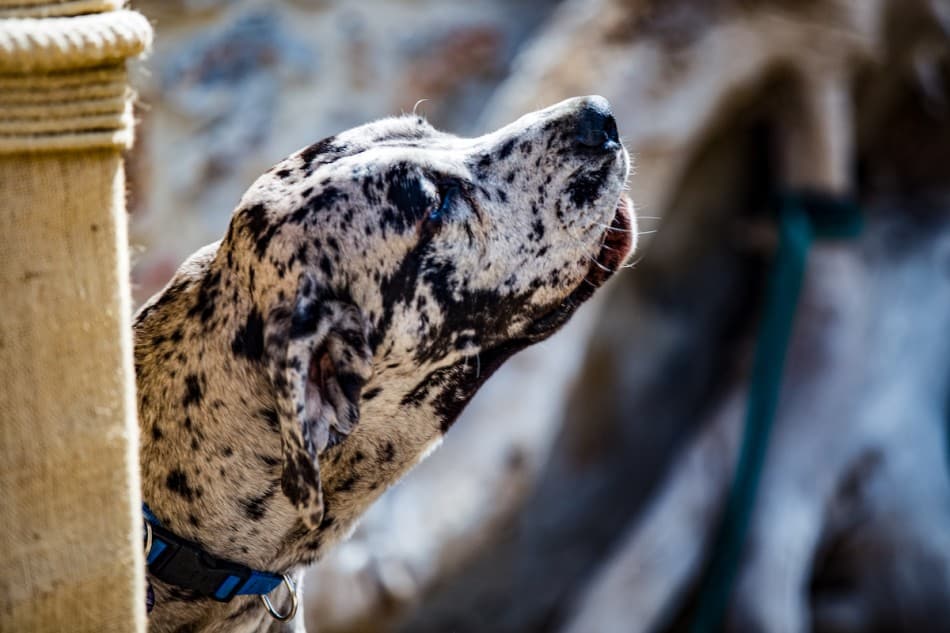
366 287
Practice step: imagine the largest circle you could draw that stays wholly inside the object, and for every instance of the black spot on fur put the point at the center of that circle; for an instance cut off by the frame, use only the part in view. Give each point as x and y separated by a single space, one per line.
298 478
389 452
256 507
156 432
346 485
420 392
326 266
208 292
370 191
481 168
249 340
283 174
314 545
505 150
323 200
585 188
310 154
193 393
303 254
372 393
177 482
537 228
269 460
270 416
258 228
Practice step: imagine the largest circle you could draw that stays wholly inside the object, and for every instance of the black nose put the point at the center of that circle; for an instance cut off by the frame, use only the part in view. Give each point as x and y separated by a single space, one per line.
596 126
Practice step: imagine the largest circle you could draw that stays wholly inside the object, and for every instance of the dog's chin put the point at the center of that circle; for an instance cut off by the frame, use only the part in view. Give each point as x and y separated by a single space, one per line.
617 244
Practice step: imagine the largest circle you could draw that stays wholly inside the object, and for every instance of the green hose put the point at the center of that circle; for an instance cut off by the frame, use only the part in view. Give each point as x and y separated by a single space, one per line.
802 217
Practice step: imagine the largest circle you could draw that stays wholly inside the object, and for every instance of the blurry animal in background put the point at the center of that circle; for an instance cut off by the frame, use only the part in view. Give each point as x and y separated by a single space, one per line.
365 289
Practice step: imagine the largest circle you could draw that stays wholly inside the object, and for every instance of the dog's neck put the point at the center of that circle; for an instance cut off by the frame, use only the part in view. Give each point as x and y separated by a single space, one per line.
210 452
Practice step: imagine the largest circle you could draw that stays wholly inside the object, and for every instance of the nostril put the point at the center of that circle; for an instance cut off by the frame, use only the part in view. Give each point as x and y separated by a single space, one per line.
596 126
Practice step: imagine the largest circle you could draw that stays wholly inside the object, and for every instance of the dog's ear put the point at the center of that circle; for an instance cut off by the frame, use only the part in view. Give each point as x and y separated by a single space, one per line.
319 362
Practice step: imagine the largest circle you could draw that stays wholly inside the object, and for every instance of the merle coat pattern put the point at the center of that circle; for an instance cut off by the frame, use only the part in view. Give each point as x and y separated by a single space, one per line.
366 287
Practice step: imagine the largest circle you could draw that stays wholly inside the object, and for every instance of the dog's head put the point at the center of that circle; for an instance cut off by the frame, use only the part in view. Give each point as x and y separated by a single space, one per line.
393 267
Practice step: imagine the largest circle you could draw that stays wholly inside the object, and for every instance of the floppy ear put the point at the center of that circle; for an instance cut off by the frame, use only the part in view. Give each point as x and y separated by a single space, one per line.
319 362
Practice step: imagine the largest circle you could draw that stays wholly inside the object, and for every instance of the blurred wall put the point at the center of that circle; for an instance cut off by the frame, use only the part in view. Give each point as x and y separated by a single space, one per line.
232 87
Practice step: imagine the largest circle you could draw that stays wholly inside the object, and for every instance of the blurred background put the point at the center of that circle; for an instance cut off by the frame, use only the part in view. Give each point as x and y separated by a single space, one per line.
582 489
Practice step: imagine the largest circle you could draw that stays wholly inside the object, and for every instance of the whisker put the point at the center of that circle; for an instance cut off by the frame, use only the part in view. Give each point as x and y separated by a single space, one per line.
634 262
616 230
598 264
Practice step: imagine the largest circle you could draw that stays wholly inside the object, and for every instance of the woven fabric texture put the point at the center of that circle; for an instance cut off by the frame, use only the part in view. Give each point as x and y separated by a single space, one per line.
70 550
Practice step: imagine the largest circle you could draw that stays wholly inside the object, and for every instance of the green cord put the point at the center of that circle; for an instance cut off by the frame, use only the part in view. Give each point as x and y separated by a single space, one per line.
802 216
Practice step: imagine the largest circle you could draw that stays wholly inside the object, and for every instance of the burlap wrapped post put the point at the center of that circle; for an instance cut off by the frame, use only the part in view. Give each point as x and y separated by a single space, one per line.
70 539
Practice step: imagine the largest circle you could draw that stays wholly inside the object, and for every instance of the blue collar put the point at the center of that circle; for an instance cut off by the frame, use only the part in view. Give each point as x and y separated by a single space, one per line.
185 564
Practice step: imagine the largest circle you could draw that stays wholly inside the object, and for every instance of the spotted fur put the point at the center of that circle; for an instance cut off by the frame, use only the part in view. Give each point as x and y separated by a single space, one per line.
366 287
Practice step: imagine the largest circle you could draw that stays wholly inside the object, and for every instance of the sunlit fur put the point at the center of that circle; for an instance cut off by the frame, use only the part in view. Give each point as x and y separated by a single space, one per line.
366 287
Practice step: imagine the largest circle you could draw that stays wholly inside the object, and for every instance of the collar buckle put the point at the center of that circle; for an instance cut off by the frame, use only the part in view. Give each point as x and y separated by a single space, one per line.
185 564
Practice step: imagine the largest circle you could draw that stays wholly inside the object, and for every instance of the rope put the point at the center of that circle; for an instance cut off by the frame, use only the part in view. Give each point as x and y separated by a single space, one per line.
68 43
63 81
803 216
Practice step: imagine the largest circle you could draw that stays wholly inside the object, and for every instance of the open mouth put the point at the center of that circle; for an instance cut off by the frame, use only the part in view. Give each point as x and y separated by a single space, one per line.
617 244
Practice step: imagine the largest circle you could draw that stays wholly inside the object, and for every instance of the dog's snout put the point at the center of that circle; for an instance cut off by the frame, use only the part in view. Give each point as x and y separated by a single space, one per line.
596 126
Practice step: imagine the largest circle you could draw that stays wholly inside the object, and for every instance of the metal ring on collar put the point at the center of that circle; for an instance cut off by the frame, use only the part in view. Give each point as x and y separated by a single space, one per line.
283 617
148 539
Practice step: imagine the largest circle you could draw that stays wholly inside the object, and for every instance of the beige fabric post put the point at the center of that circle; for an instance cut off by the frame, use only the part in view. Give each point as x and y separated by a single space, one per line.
70 540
